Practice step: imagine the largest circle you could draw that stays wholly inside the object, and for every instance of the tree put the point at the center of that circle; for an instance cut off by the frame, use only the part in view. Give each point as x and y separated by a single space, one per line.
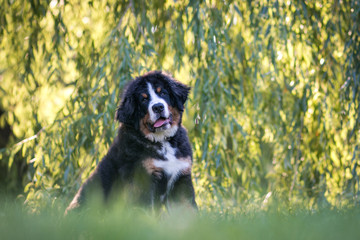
274 104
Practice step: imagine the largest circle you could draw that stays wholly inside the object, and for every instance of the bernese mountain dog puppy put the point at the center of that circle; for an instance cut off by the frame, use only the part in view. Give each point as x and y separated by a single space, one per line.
151 156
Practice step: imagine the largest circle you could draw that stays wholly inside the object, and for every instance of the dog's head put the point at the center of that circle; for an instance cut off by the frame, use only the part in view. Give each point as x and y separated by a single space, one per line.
153 103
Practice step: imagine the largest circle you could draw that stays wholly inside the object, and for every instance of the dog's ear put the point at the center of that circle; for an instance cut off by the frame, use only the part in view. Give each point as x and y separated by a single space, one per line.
179 94
126 111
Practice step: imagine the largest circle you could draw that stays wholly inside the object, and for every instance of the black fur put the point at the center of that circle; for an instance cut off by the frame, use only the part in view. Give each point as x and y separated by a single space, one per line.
122 167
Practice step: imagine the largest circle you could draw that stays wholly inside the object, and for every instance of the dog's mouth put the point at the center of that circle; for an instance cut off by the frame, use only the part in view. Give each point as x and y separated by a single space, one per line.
160 123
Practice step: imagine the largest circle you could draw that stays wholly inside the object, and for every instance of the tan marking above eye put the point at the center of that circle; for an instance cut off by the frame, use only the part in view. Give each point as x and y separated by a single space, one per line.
144 95
158 90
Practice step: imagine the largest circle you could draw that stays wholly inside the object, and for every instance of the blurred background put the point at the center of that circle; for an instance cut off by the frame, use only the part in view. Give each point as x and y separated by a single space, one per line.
273 113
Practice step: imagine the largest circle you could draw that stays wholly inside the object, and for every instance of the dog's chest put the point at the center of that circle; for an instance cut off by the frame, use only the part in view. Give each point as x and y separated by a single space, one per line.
171 165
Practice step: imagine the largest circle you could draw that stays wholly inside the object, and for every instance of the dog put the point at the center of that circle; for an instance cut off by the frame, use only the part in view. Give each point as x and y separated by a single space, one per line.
151 156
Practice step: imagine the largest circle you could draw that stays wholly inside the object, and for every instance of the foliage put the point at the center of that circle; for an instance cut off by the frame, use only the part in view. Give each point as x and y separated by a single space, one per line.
274 110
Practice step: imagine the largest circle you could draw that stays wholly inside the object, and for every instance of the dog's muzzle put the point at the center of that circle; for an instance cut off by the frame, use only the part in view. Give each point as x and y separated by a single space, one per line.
162 123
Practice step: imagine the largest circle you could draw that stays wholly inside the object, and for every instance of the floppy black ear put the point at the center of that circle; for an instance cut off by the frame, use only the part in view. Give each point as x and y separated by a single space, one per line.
179 94
126 111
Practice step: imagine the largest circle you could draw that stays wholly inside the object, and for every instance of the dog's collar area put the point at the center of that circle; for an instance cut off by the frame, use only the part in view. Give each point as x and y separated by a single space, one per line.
162 136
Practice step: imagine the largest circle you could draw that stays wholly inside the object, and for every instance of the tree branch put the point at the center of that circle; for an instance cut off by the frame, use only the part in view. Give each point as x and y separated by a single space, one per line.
121 18
137 23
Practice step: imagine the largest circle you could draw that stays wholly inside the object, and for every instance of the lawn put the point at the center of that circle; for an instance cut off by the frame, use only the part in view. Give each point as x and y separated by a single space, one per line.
136 223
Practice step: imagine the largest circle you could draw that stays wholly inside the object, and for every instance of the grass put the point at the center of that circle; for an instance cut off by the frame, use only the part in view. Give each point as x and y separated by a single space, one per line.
136 223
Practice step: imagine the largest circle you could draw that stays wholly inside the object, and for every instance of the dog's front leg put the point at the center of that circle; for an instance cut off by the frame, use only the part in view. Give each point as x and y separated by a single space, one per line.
182 193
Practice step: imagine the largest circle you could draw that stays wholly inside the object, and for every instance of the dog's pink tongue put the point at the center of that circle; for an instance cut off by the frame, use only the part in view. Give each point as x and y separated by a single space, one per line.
160 122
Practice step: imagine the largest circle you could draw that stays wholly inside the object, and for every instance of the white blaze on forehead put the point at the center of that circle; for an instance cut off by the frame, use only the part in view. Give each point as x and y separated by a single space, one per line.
168 130
154 99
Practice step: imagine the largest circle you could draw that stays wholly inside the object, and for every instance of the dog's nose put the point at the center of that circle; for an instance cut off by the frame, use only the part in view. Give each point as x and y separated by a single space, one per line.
158 107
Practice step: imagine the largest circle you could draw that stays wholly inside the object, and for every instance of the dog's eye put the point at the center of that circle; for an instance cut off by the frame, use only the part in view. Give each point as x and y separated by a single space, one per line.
144 97
163 93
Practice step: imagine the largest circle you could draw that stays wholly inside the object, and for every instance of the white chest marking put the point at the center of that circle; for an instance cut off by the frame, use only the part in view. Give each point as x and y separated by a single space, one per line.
171 166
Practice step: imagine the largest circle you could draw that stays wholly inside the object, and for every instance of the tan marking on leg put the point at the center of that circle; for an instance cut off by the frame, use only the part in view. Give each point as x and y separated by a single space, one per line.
151 169
187 170
74 204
